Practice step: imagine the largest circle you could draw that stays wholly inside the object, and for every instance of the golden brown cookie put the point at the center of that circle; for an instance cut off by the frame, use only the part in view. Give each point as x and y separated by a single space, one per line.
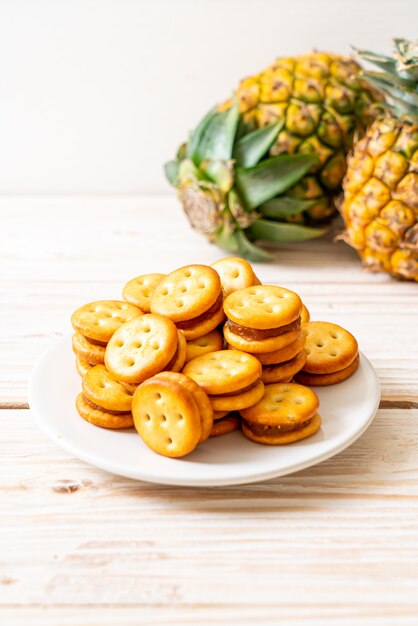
268 435
330 348
235 273
199 396
263 307
283 405
211 342
82 366
141 347
260 346
285 354
224 371
92 352
166 417
321 380
101 388
101 417
217 415
225 425
304 316
139 290
239 400
99 320
209 321
179 359
283 371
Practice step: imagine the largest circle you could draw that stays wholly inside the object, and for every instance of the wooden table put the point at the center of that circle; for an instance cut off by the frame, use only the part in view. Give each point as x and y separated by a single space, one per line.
335 544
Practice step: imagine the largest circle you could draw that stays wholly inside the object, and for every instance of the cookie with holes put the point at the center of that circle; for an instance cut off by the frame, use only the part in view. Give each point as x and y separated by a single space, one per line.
285 354
83 366
235 273
139 290
98 321
192 298
286 413
89 350
262 318
231 378
282 372
104 391
225 425
141 348
167 416
322 380
211 342
331 349
104 418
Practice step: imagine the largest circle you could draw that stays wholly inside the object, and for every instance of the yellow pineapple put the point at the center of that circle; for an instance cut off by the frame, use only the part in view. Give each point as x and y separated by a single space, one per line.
380 206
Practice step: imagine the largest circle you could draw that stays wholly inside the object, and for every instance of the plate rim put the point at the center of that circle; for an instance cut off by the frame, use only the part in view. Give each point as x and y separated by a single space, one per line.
151 477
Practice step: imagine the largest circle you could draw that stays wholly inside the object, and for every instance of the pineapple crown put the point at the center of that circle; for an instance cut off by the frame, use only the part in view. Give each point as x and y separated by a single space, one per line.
232 192
399 79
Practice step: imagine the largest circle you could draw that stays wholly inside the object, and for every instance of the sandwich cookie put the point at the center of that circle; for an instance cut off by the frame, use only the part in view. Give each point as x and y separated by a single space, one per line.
99 320
225 425
141 348
232 379
286 413
89 350
263 318
167 414
83 366
235 274
283 372
192 298
332 352
139 290
211 342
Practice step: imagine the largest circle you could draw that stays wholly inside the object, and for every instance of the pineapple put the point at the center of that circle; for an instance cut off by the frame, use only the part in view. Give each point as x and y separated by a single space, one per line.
322 102
266 165
380 206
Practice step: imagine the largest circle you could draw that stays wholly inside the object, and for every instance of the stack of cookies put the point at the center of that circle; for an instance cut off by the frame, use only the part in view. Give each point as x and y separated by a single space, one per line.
266 321
201 351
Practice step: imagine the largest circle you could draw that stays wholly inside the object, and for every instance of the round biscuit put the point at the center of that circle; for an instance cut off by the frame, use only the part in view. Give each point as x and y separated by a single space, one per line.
101 388
179 359
290 437
91 352
224 371
285 354
199 395
186 293
225 425
322 380
82 366
283 404
263 307
166 417
238 401
235 274
102 418
99 320
304 315
277 373
330 348
141 348
139 290
204 327
211 342
258 346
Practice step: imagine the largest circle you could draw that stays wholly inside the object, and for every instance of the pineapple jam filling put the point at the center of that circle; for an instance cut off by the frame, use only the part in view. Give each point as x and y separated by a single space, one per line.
96 407
203 317
256 334
265 430
95 342
239 391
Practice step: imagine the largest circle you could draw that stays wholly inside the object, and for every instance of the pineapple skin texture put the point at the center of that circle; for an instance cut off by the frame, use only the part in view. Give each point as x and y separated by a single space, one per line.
380 206
323 102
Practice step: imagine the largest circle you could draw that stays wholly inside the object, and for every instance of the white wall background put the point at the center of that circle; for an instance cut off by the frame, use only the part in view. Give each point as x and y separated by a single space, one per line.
96 94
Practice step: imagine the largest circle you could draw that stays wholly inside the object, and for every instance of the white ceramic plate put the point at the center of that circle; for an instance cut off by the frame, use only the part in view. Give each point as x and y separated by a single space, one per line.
347 410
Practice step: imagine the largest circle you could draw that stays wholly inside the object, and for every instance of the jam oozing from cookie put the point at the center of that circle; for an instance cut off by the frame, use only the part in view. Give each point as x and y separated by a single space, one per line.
96 407
185 325
266 430
253 334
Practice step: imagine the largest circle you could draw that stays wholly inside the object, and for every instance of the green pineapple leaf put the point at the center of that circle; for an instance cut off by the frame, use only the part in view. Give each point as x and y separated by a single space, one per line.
171 170
271 177
196 135
237 243
215 137
249 149
219 173
282 232
285 206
